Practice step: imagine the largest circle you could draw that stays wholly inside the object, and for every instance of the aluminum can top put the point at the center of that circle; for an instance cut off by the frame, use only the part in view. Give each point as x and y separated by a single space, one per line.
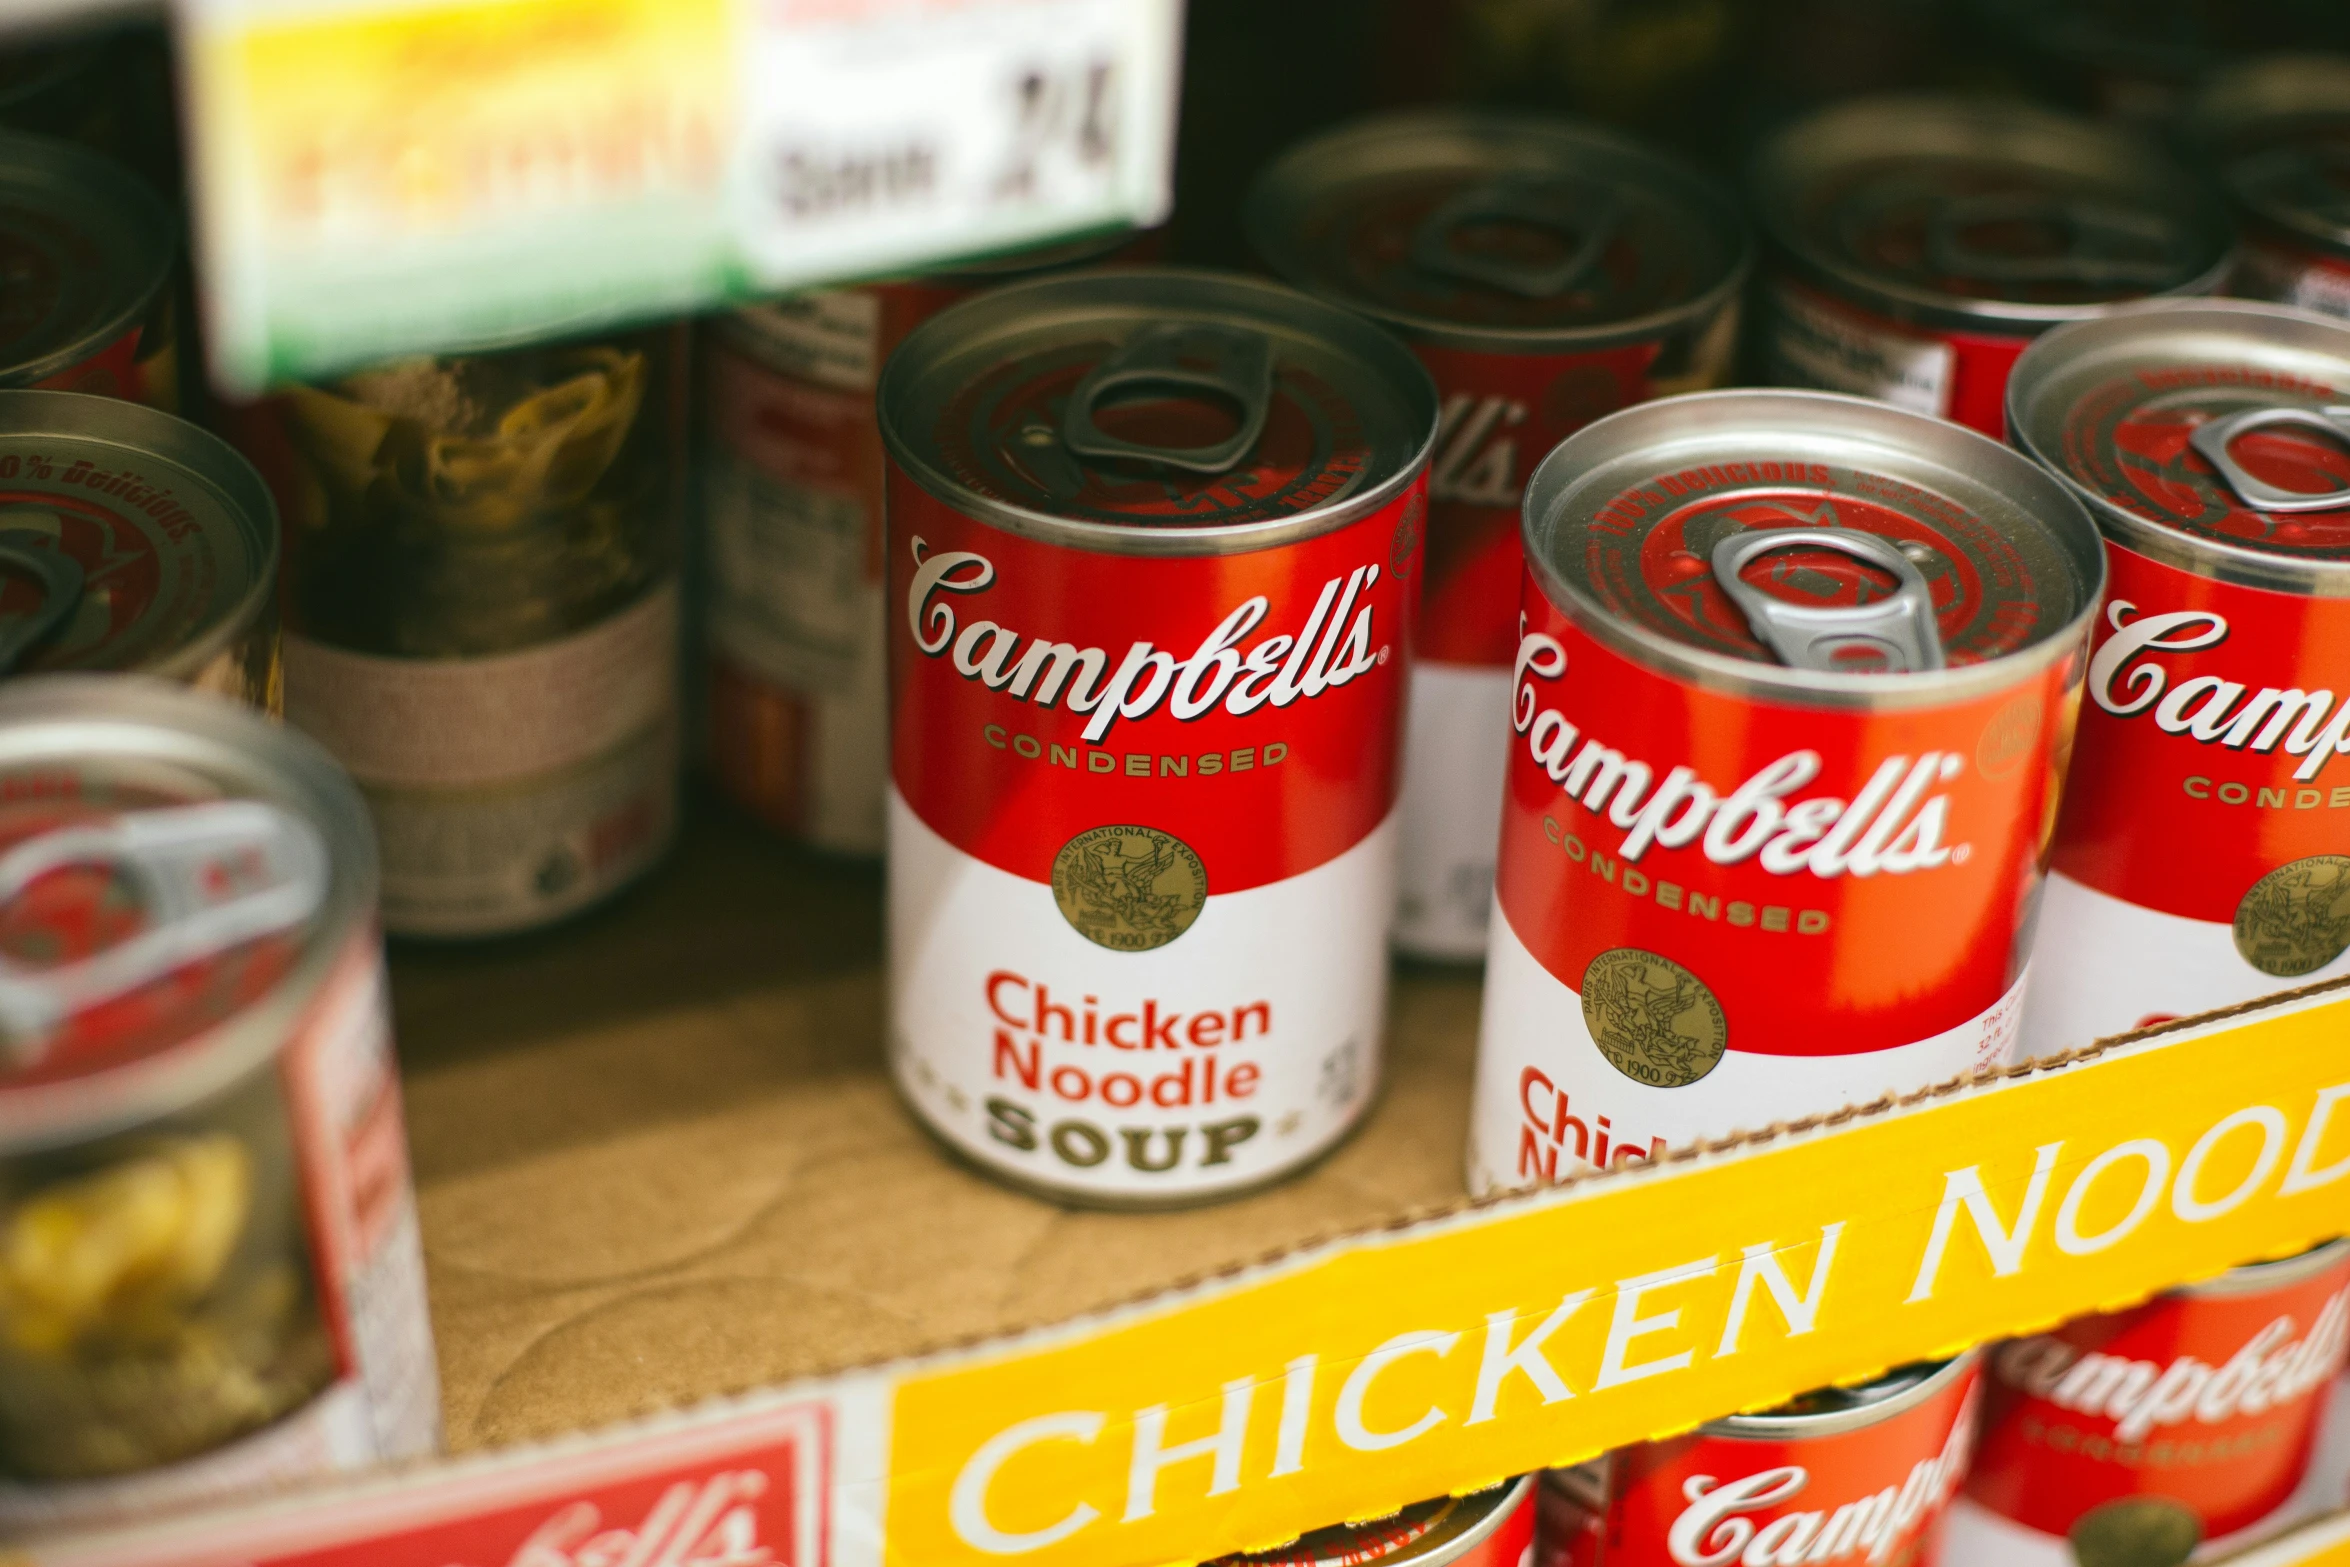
86 248
130 540
1965 212
1506 232
2279 130
1433 1533
2208 434
178 876
1156 411
1834 551
1831 1410
2258 1278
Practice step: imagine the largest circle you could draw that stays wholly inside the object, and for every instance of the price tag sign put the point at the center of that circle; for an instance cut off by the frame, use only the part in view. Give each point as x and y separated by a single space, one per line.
376 178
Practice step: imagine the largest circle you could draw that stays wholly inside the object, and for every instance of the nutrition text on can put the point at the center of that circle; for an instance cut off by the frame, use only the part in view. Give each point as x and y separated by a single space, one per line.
1793 689
1153 545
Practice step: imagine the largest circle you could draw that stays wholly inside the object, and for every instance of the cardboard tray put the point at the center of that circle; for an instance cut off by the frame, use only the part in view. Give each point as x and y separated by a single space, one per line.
694 1270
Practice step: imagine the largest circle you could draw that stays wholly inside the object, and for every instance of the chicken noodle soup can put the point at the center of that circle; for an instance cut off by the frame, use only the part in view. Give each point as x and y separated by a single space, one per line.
1794 687
210 1278
1546 273
1920 243
2203 857
1489 1528
1855 1475
1154 550
791 503
87 250
2140 1438
482 616
2277 130
133 542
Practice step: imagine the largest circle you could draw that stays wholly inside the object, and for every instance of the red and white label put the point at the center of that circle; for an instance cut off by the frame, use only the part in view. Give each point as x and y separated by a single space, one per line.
2269 268
2207 1403
1819 341
1875 1495
1500 416
1209 1013
2214 749
1829 902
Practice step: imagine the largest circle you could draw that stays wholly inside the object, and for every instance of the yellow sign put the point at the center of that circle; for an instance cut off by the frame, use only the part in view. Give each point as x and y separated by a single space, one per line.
1346 1382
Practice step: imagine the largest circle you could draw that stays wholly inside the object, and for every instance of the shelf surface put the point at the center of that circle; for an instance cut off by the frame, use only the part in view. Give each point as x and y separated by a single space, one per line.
652 1149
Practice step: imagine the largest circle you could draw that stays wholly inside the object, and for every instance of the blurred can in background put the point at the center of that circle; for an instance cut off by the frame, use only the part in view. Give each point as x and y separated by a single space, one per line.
2278 133
87 251
133 542
2136 1438
481 607
1489 1528
1546 273
1921 242
210 1274
792 513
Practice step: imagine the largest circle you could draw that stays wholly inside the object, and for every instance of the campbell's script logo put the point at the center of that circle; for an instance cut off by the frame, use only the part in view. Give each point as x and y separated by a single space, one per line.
1894 825
1476 460
2140 1397
710 1524
1721 1526
1328 651
2127 677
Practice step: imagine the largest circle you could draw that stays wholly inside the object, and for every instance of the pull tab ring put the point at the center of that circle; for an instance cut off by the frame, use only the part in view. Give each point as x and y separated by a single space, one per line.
1900 626
2093 231
212 877
2212 439
1590 224
1224 361
59 577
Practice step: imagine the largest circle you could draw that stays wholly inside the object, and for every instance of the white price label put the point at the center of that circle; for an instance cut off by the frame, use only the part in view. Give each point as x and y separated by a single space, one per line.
882 132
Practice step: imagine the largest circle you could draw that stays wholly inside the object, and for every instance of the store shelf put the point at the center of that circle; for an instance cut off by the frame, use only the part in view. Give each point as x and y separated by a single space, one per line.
660 1165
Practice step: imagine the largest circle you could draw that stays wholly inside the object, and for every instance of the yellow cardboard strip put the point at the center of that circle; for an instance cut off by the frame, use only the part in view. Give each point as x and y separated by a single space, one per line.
1345 1383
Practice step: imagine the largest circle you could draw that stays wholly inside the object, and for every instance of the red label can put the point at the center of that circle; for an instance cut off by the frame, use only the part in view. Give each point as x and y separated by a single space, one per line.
2201 859
2141 1436
2273 129
1791 701
1154 544
1860 1475
88 251
1491 1528
792 509
1547 273
1921 243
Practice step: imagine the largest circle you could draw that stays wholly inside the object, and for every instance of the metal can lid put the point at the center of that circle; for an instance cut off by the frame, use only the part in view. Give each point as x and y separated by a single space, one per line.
2256 1278
2212 434
1829 549
1829 1410
130 540
1492 230
1425 1534
1165 411
2279 130
86 248
1963 211
176 875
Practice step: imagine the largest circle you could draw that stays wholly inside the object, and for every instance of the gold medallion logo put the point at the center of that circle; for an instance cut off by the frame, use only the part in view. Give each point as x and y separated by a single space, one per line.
1129 888
2296 919
2136 1531
1654 1020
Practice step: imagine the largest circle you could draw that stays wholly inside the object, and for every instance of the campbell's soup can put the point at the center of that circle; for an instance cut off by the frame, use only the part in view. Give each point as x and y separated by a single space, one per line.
1546 273
2203 858
1861 1475
1920 243
482 616
2148 1437
210 1277
88 252
2277 132
1154 554
133 542
1490 1528
792 478
1795 682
